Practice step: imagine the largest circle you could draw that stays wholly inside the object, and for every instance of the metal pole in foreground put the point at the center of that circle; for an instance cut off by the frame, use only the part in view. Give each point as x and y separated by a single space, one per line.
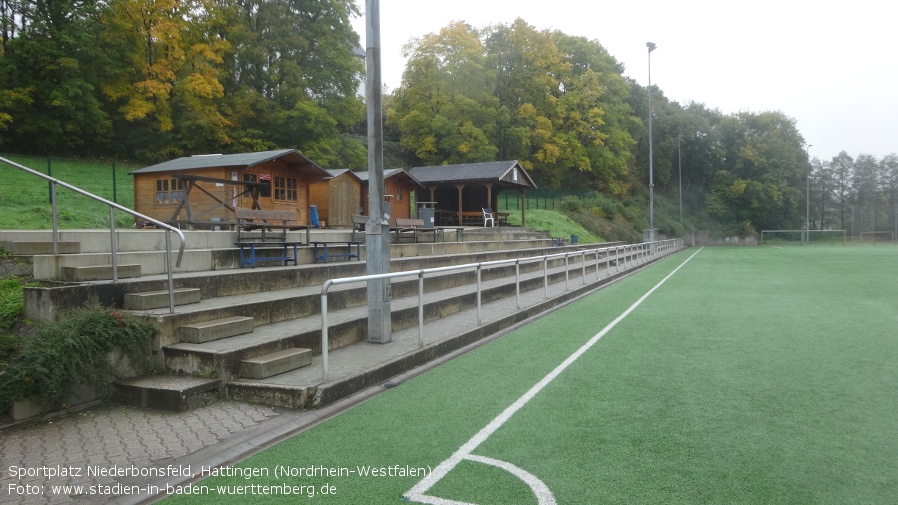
680 166
651 46
377 229
807 198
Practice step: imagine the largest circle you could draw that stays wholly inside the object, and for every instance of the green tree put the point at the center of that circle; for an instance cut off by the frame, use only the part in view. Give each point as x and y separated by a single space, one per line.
165 84
889 170
444 109
866 185
760 183
48 70
822 194
292 77
595 113
842 166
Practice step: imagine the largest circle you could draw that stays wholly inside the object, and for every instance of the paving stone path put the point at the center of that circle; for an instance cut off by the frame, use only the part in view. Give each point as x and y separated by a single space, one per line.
47 462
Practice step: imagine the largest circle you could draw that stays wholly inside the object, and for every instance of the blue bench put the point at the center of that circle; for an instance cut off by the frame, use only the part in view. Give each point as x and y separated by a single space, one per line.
324 251
252 258
266 230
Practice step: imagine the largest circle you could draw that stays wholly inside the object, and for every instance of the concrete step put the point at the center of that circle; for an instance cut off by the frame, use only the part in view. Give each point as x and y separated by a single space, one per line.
197 333
31 247
46 303
275 363
347 323
285 296
166 392
97 272
158 299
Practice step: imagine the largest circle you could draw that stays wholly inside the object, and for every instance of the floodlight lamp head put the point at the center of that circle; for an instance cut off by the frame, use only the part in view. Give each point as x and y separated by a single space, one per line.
650 45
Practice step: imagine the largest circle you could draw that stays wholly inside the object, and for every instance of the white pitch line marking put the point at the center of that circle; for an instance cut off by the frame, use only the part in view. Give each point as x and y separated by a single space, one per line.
417 493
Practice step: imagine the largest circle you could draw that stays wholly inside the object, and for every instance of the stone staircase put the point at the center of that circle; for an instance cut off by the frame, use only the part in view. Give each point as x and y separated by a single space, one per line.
255 334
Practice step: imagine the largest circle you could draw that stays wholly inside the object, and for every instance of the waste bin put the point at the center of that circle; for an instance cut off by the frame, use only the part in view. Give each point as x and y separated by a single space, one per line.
426 214
313 216
575 239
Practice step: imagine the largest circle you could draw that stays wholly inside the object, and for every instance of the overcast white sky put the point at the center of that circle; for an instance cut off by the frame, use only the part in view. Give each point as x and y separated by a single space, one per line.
833 67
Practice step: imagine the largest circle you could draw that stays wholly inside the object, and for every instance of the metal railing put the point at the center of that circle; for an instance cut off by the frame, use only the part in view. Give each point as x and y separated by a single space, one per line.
113 242
639 253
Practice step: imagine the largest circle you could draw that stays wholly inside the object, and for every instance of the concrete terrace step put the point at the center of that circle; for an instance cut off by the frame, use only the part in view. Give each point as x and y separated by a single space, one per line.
159 299
211 250
166 392
46 303
198 333
97 272
275 363
31 248
347 324
285 304
274 294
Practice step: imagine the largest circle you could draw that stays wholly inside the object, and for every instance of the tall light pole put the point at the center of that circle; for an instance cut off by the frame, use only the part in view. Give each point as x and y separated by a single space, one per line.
377 229
651 46
680 165
807 199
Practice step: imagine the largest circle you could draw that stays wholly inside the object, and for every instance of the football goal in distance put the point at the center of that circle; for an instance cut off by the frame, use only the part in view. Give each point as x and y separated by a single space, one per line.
798 237
877 236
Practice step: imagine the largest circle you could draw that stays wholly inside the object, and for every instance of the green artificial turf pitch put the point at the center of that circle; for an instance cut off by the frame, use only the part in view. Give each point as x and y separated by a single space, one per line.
752 375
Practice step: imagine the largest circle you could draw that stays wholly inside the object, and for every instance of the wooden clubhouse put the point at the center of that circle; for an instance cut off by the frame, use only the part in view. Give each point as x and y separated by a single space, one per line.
337 198
203 191
398 188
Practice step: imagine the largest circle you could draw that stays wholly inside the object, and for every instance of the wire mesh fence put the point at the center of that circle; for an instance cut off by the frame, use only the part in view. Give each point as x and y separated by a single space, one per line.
536 199
105 179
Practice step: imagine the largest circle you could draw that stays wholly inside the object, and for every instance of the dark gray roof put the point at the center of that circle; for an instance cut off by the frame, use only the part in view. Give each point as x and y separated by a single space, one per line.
340 171
242 160
489 171
390 172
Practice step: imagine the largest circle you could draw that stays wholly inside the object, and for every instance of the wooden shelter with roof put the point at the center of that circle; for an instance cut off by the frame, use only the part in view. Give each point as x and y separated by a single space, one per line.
337 198
461 190
203 191
398 188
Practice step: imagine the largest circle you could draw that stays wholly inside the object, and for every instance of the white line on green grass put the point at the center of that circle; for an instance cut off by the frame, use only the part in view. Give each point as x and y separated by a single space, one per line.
540 490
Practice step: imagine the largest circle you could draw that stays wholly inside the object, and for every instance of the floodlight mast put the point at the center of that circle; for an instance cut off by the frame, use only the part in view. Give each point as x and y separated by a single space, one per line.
377 229
651 46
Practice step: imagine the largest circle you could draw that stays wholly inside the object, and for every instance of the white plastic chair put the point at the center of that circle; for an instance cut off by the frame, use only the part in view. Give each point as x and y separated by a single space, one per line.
488 219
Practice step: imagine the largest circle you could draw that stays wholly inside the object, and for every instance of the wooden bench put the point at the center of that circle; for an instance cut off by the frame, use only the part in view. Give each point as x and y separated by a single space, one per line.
459 232
414 228
273 226
267 221
358 226
471 218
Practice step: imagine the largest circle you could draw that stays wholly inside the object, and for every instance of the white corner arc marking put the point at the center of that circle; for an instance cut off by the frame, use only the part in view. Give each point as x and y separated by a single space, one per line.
418 491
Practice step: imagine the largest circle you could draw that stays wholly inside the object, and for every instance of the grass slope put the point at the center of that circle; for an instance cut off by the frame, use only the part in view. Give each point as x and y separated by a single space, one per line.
25 198
556 223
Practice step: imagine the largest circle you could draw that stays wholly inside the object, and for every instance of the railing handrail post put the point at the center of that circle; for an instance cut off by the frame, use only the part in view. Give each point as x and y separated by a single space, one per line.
112 205
420 308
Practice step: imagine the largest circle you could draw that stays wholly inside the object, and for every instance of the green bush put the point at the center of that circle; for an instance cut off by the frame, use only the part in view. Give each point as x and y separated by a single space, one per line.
73 351
10 302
